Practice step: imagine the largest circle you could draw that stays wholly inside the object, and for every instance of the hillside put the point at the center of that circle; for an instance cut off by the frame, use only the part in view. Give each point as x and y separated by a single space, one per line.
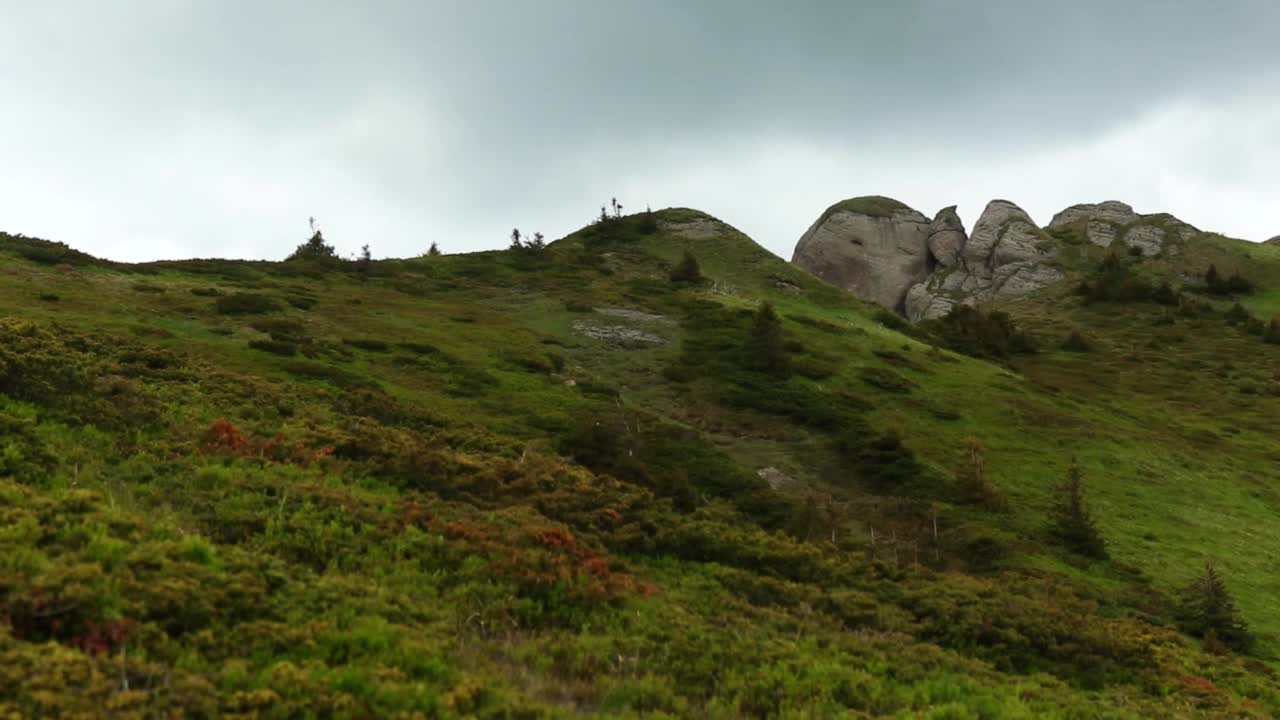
557 483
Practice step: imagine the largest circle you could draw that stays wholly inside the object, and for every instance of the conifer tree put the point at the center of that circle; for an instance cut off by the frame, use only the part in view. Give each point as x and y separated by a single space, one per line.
764 344
1072 522
434 250
1209 611
1213 280
688 270
365 261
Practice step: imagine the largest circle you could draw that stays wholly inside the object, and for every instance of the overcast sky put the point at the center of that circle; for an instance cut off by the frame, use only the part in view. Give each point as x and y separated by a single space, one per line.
147 129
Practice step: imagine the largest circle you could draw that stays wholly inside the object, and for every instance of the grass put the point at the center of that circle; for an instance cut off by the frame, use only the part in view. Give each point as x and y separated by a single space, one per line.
430 491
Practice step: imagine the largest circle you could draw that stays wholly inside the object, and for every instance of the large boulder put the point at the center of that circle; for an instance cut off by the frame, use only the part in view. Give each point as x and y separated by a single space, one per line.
1004 234
947 237
874 247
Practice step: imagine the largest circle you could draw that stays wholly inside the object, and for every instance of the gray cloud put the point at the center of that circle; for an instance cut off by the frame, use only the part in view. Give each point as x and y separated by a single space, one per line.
169 128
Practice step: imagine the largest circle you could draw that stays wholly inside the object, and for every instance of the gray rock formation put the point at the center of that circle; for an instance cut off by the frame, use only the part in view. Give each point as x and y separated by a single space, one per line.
887 253
1104 223
1148 239
947 237
1110 211
873 247
1006 256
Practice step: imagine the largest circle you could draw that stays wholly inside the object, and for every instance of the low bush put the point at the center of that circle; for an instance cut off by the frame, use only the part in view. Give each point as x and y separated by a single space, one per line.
242 303
276 347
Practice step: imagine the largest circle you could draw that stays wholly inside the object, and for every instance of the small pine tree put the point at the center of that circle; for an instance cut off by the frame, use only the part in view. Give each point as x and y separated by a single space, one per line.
365 261
1237 284
687 271
1209 612
648 223
764 345
1213 280
516 244
315 248
434 250
538 243
1072 522
974 485
1237 314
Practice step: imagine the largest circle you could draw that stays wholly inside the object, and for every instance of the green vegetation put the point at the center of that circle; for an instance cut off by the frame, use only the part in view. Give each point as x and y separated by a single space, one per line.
873 205
556 484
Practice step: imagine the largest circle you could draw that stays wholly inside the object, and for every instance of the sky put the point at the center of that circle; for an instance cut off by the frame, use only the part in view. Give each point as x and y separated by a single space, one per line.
163 129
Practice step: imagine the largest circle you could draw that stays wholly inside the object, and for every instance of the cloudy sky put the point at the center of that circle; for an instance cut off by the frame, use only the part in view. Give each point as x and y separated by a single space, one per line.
146 129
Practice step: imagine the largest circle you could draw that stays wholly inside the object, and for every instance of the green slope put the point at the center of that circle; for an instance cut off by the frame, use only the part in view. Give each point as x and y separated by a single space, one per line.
528 484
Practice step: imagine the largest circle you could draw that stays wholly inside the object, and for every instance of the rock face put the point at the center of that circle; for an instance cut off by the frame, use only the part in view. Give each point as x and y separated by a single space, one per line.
947 237
883 251
1005 256
1106 222
875 248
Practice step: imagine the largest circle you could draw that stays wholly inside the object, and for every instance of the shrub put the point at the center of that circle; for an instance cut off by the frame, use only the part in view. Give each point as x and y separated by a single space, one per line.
891 320
1236 284
369 344
1164 294
1272 333
1237 314
687 271
1076 342
968 330
206 292
49 297
886 380
145 288
277 347
879 460
242 303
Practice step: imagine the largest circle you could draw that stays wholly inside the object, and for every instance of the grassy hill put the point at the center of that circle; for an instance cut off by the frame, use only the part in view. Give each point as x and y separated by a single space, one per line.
557 483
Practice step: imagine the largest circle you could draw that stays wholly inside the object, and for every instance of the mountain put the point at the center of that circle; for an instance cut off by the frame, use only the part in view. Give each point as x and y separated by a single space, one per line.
558 482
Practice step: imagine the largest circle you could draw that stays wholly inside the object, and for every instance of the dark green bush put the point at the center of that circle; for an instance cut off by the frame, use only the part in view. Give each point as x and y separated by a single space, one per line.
1077 342
206 292
276 347
369 344
243 303
970 331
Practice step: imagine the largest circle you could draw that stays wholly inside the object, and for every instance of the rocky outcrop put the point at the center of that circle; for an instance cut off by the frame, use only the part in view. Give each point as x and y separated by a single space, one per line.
1273 241
873 247
1110 211
1106 222
887 253
1006 256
